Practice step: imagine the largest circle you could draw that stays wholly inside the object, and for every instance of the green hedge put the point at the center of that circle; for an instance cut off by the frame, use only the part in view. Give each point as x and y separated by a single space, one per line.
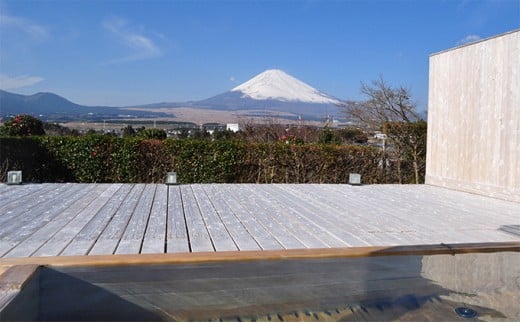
100 159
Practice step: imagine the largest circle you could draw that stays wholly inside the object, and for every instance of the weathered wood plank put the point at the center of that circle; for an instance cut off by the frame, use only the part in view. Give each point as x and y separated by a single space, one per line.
14 196
81 218
155 236
197 232
32 235
205 257
83 242
247 217
265 218
218 232
38 212
109 239
22 208
385 217
55 245
132 239
32 243
241 236
177 235
284 219
338 208
298 216
337 221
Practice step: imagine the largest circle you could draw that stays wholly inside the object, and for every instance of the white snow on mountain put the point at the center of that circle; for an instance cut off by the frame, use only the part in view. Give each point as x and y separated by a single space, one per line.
277 85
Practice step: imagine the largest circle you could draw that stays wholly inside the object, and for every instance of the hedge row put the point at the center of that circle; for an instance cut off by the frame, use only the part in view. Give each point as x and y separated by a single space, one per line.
104 159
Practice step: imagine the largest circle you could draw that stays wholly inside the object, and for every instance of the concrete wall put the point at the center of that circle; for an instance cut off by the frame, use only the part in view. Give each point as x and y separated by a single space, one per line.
474 118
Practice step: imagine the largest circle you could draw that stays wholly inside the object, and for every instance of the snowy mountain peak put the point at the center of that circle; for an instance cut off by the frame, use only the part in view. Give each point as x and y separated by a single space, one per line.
277 85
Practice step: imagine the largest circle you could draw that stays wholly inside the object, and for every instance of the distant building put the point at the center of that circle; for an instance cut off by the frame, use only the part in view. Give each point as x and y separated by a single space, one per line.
233 127
380 136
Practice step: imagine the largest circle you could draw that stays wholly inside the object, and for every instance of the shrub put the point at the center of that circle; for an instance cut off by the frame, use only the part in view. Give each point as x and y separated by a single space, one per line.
23 125
99 158
151 133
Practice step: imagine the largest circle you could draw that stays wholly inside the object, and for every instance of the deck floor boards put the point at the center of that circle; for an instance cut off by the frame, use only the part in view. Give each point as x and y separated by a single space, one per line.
97 219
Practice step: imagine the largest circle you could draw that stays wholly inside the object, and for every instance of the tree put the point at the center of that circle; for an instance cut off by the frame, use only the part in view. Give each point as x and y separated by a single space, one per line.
24 125
152 133
409 140
327 137
383 104
392 110
128 131
352 136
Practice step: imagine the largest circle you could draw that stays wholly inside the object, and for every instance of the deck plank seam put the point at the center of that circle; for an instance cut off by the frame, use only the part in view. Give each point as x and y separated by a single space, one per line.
148 219
254 218
311 227
236 220
210 201
71 217
130 217
135 193
185 220
107 189
108 222
277 216
56 214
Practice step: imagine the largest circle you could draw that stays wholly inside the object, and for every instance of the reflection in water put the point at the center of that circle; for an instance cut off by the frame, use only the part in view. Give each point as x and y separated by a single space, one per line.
405 288
485 280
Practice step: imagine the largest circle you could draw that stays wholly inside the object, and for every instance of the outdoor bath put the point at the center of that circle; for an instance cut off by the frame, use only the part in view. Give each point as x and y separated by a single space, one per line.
393 284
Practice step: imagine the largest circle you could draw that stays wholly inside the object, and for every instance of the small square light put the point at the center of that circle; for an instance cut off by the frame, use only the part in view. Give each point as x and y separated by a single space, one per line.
354 179
171 178
14 177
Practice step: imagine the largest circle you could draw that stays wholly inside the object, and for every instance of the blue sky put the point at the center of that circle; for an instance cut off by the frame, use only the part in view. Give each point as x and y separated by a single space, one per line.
108 52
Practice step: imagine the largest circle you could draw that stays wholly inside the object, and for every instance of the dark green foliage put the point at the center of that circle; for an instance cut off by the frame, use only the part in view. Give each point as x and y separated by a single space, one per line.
128 131
23 125
351 136
328 137
151 133
409 149
223 134
98 158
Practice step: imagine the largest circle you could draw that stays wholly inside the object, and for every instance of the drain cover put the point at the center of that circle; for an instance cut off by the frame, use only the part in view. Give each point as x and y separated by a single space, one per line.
465 312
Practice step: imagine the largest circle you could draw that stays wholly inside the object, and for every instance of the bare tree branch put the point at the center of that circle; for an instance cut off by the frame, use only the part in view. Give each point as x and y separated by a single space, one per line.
383 104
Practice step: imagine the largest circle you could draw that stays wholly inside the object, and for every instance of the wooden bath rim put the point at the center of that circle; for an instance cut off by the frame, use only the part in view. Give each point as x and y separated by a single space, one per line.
232 256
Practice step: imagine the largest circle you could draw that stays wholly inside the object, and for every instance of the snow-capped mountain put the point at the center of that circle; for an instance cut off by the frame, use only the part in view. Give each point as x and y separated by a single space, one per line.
277 85
277 91
272 92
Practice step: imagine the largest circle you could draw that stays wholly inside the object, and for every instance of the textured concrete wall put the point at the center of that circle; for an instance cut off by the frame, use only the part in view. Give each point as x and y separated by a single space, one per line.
474 118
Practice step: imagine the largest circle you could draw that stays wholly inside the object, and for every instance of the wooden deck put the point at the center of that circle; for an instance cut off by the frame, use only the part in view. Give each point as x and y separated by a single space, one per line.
101 219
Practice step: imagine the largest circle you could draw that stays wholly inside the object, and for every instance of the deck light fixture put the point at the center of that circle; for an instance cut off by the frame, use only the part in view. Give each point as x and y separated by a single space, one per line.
354 179
171 178
14 177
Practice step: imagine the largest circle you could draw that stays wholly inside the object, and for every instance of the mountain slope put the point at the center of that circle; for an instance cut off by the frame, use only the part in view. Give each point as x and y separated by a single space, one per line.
39 103
52 106
278 85
274 90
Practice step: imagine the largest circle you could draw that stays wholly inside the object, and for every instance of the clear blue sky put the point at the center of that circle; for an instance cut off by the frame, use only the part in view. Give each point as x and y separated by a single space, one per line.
109 52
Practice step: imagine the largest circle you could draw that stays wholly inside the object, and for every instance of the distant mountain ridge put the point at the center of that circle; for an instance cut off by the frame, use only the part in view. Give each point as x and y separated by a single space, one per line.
270 92
39 103
52 106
